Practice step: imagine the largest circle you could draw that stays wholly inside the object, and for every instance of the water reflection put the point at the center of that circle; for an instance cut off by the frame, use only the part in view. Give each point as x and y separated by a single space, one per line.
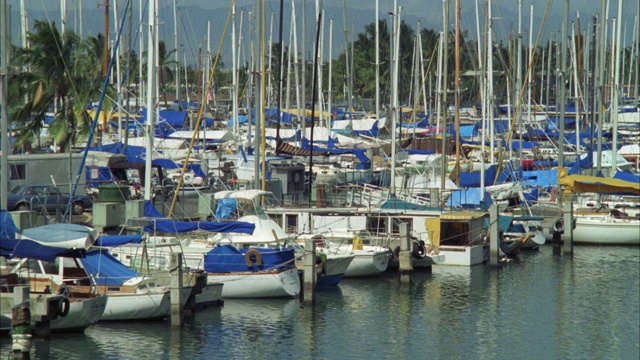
550 306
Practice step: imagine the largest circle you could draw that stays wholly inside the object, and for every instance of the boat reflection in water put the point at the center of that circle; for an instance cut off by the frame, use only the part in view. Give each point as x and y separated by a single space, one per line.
450 312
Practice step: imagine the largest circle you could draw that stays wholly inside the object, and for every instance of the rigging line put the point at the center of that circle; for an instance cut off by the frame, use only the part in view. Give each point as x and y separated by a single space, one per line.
95 118
524 82
196 129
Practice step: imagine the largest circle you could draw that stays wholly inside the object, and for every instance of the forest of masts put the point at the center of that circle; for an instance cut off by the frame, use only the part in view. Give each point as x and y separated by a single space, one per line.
55 70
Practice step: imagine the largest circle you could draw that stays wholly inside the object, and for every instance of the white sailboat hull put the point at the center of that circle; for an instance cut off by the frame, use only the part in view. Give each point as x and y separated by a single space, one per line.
82 313
611 232
258 284
368 263
139 306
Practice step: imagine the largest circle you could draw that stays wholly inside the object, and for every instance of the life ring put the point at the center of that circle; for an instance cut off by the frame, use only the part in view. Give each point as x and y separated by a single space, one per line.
249 261
419 250
63 307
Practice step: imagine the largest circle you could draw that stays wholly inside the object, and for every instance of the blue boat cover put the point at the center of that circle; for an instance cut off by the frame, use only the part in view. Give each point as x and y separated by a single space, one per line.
117 240
106 269
150 211
229 259
7 227
12 248
627 177
175 227
225 208
55 233
470 196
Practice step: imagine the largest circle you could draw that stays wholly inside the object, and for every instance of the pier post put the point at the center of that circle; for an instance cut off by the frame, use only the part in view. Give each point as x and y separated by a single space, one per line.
404 257
434 197
309 295
494 237
21 323
175 266
567 217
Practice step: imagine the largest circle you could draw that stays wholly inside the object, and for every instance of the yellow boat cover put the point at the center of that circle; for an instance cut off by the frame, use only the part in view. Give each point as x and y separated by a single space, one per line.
592 184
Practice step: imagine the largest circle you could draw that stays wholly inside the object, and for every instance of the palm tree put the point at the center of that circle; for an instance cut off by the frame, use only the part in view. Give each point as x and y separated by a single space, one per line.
63 77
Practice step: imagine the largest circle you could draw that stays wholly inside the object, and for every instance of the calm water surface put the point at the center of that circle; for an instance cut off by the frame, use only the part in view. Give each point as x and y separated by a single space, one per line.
539 306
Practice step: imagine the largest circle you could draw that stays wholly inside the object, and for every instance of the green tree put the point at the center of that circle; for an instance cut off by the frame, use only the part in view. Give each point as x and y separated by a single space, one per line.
56 73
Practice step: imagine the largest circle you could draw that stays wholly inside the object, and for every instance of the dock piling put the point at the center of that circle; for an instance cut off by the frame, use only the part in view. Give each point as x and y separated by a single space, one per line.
309 294
494 241
177 312
21 323
404 257
567 217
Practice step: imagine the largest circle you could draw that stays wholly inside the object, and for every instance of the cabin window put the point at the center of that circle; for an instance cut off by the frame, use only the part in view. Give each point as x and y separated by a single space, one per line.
396 225
291 223
377 225
277 218
17 172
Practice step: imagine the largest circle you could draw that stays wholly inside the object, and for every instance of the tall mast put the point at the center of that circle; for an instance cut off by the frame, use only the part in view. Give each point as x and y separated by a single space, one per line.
490 81
176 34
348 70
330 89
377 46
445 57
280 73
616 91
303 62
234 73
105 66
563 89
151 91
4 120
457 91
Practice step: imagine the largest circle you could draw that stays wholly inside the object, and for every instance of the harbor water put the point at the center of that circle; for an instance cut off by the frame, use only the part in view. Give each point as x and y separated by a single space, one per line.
538 306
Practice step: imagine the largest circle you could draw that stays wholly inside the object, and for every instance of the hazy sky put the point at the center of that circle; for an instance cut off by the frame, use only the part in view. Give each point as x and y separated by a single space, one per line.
359 13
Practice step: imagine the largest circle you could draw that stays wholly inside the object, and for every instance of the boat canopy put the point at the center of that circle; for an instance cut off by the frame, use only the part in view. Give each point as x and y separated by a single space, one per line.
106 269
172 226
117 240
592 184
63 235
10 247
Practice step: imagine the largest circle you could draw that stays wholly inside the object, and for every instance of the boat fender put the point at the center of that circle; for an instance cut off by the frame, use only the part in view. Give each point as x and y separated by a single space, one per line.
63 307
396 253
558 226
419 250
249 260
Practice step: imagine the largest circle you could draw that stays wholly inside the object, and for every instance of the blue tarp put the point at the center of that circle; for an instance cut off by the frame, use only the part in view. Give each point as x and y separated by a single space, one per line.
56 233
627 177
470 196
229 259
398 204
106 269
117 240
12 248
174 119
133 153
541 178
150 211
515 145
472 179
225 208
8 228
175 227
359 153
